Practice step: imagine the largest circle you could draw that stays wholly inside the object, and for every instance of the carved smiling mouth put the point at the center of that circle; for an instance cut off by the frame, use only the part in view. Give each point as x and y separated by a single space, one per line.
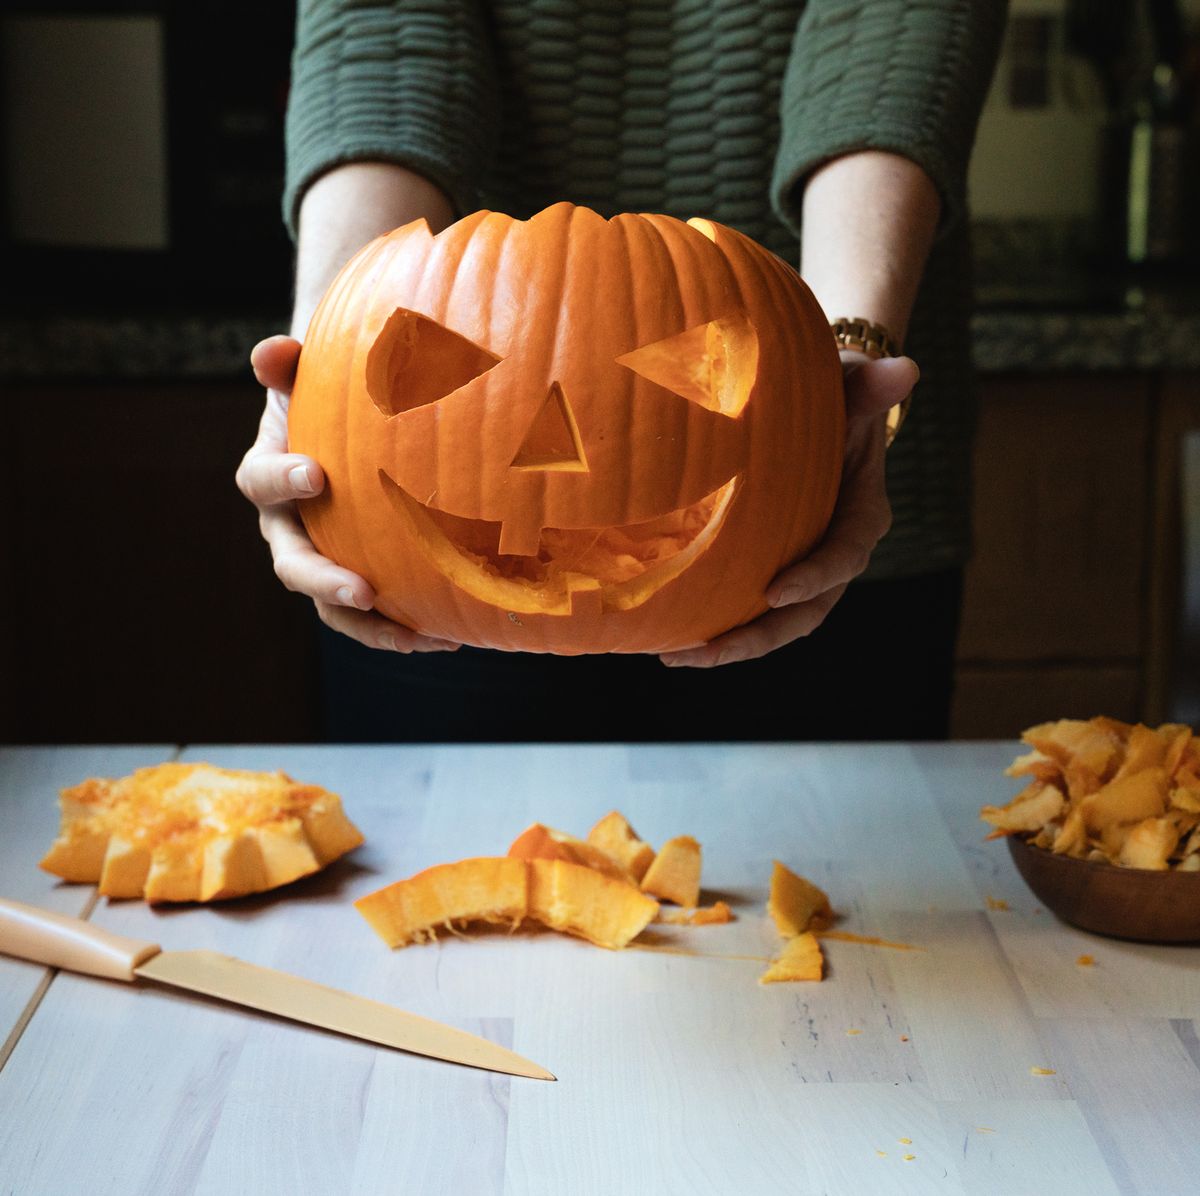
613 568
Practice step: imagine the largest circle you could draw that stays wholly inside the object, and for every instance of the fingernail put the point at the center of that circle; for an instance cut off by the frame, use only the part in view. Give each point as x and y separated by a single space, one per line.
345 596
786 597
437 646
388 642
299 480
730 656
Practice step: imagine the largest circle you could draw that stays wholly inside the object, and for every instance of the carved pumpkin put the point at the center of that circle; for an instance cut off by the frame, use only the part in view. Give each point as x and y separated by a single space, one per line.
569 434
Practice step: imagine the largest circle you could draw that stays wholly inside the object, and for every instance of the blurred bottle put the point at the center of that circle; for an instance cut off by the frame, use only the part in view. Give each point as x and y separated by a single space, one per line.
1150 182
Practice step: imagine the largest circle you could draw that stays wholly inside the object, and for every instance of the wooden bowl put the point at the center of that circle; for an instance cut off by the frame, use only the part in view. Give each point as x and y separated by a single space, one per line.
1123 903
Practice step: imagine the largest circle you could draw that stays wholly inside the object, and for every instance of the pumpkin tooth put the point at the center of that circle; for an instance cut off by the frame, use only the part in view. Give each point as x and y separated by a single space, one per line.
126 865
286 852
174 875
78 854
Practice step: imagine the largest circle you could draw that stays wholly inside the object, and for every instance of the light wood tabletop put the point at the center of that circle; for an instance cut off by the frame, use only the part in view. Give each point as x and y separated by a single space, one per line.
987 1060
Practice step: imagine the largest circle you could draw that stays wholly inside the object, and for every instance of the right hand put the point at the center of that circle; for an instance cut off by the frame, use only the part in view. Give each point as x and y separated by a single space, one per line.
274 480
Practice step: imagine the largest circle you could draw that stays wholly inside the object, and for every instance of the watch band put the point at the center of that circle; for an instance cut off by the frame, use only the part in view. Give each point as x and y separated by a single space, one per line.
875 341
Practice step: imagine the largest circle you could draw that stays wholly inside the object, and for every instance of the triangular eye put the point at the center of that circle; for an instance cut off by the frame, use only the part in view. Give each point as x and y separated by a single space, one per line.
415 361
713 364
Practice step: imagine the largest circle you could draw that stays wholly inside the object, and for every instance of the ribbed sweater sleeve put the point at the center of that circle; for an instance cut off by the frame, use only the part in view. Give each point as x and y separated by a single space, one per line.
907 76
409 81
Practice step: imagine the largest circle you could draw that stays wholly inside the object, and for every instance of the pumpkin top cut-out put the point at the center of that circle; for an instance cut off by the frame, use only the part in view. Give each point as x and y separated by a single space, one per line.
569 433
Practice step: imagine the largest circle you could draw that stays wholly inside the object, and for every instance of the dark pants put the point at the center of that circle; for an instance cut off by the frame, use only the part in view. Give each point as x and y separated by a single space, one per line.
880 667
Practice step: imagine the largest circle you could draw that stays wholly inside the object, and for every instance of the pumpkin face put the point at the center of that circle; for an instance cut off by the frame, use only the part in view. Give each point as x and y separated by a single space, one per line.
569 434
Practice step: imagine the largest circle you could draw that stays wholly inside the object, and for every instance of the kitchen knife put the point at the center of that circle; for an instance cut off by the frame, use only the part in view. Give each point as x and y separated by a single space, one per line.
44 937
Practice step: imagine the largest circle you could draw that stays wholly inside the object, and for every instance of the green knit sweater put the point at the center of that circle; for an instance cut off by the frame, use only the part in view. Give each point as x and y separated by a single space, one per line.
715 108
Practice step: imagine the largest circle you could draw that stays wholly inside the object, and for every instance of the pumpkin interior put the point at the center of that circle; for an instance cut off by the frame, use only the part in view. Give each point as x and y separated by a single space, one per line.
627 563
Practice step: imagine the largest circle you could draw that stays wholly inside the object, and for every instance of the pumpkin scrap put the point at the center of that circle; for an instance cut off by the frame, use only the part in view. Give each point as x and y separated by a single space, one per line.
798 908
541 842
447 896
581 901
801 959
504 890
796 904
1105 790
194 832
614 836
674 874
704 915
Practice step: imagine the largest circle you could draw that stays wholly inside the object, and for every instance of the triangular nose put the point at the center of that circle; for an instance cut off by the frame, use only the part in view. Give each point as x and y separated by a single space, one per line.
552 441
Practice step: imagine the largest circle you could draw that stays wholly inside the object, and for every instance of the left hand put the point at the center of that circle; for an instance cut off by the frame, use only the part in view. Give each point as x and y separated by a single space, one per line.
804 593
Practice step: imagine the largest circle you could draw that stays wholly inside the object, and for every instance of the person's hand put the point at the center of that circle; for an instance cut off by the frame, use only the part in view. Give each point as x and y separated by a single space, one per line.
804 593
274 480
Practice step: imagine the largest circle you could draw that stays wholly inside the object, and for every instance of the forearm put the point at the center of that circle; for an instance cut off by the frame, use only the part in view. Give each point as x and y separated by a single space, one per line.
343 210
869 221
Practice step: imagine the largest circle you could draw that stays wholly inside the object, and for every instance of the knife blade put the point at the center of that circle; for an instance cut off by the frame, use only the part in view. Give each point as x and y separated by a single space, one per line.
41 936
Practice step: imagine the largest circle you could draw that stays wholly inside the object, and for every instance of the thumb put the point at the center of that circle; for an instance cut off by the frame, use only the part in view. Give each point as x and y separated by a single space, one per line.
874 386
274 362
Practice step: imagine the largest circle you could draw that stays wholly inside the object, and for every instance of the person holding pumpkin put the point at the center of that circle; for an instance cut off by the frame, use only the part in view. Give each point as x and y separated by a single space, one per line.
844 125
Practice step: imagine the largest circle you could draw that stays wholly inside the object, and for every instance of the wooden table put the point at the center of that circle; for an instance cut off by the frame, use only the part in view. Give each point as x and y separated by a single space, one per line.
903 1071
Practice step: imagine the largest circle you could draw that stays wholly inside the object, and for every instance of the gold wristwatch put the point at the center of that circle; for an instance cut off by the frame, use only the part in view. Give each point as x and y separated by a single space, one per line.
875 341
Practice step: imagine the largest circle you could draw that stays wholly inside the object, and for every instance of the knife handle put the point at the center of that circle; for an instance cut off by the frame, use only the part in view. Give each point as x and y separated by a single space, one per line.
44 937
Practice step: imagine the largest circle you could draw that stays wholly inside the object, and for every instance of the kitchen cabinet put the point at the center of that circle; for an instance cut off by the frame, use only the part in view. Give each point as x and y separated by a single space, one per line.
1071 599
140 598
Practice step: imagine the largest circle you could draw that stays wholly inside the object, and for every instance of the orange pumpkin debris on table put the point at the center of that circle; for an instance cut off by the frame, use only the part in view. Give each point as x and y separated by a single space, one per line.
674 874
796 904
614 836
703 915
569 433
193 832
801 959
798 908
562 895
447 896
541 842
584 902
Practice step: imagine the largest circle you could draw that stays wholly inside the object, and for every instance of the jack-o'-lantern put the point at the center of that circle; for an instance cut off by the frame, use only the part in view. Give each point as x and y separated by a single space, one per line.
569 434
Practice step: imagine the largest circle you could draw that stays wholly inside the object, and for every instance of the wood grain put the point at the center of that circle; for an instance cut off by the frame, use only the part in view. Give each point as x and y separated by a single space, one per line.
677 1072
30 780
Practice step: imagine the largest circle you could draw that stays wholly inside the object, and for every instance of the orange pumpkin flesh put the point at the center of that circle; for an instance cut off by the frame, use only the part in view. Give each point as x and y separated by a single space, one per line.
541 842
193 832
801 959
578 900
675 873
562 895
446 896
795 904
569 434
617 839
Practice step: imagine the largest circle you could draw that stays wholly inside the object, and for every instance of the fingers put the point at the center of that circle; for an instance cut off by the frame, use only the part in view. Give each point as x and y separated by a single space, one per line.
303 570
274 479
268 478
274 362
374 631
763 635
874 386
343 599
845 552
